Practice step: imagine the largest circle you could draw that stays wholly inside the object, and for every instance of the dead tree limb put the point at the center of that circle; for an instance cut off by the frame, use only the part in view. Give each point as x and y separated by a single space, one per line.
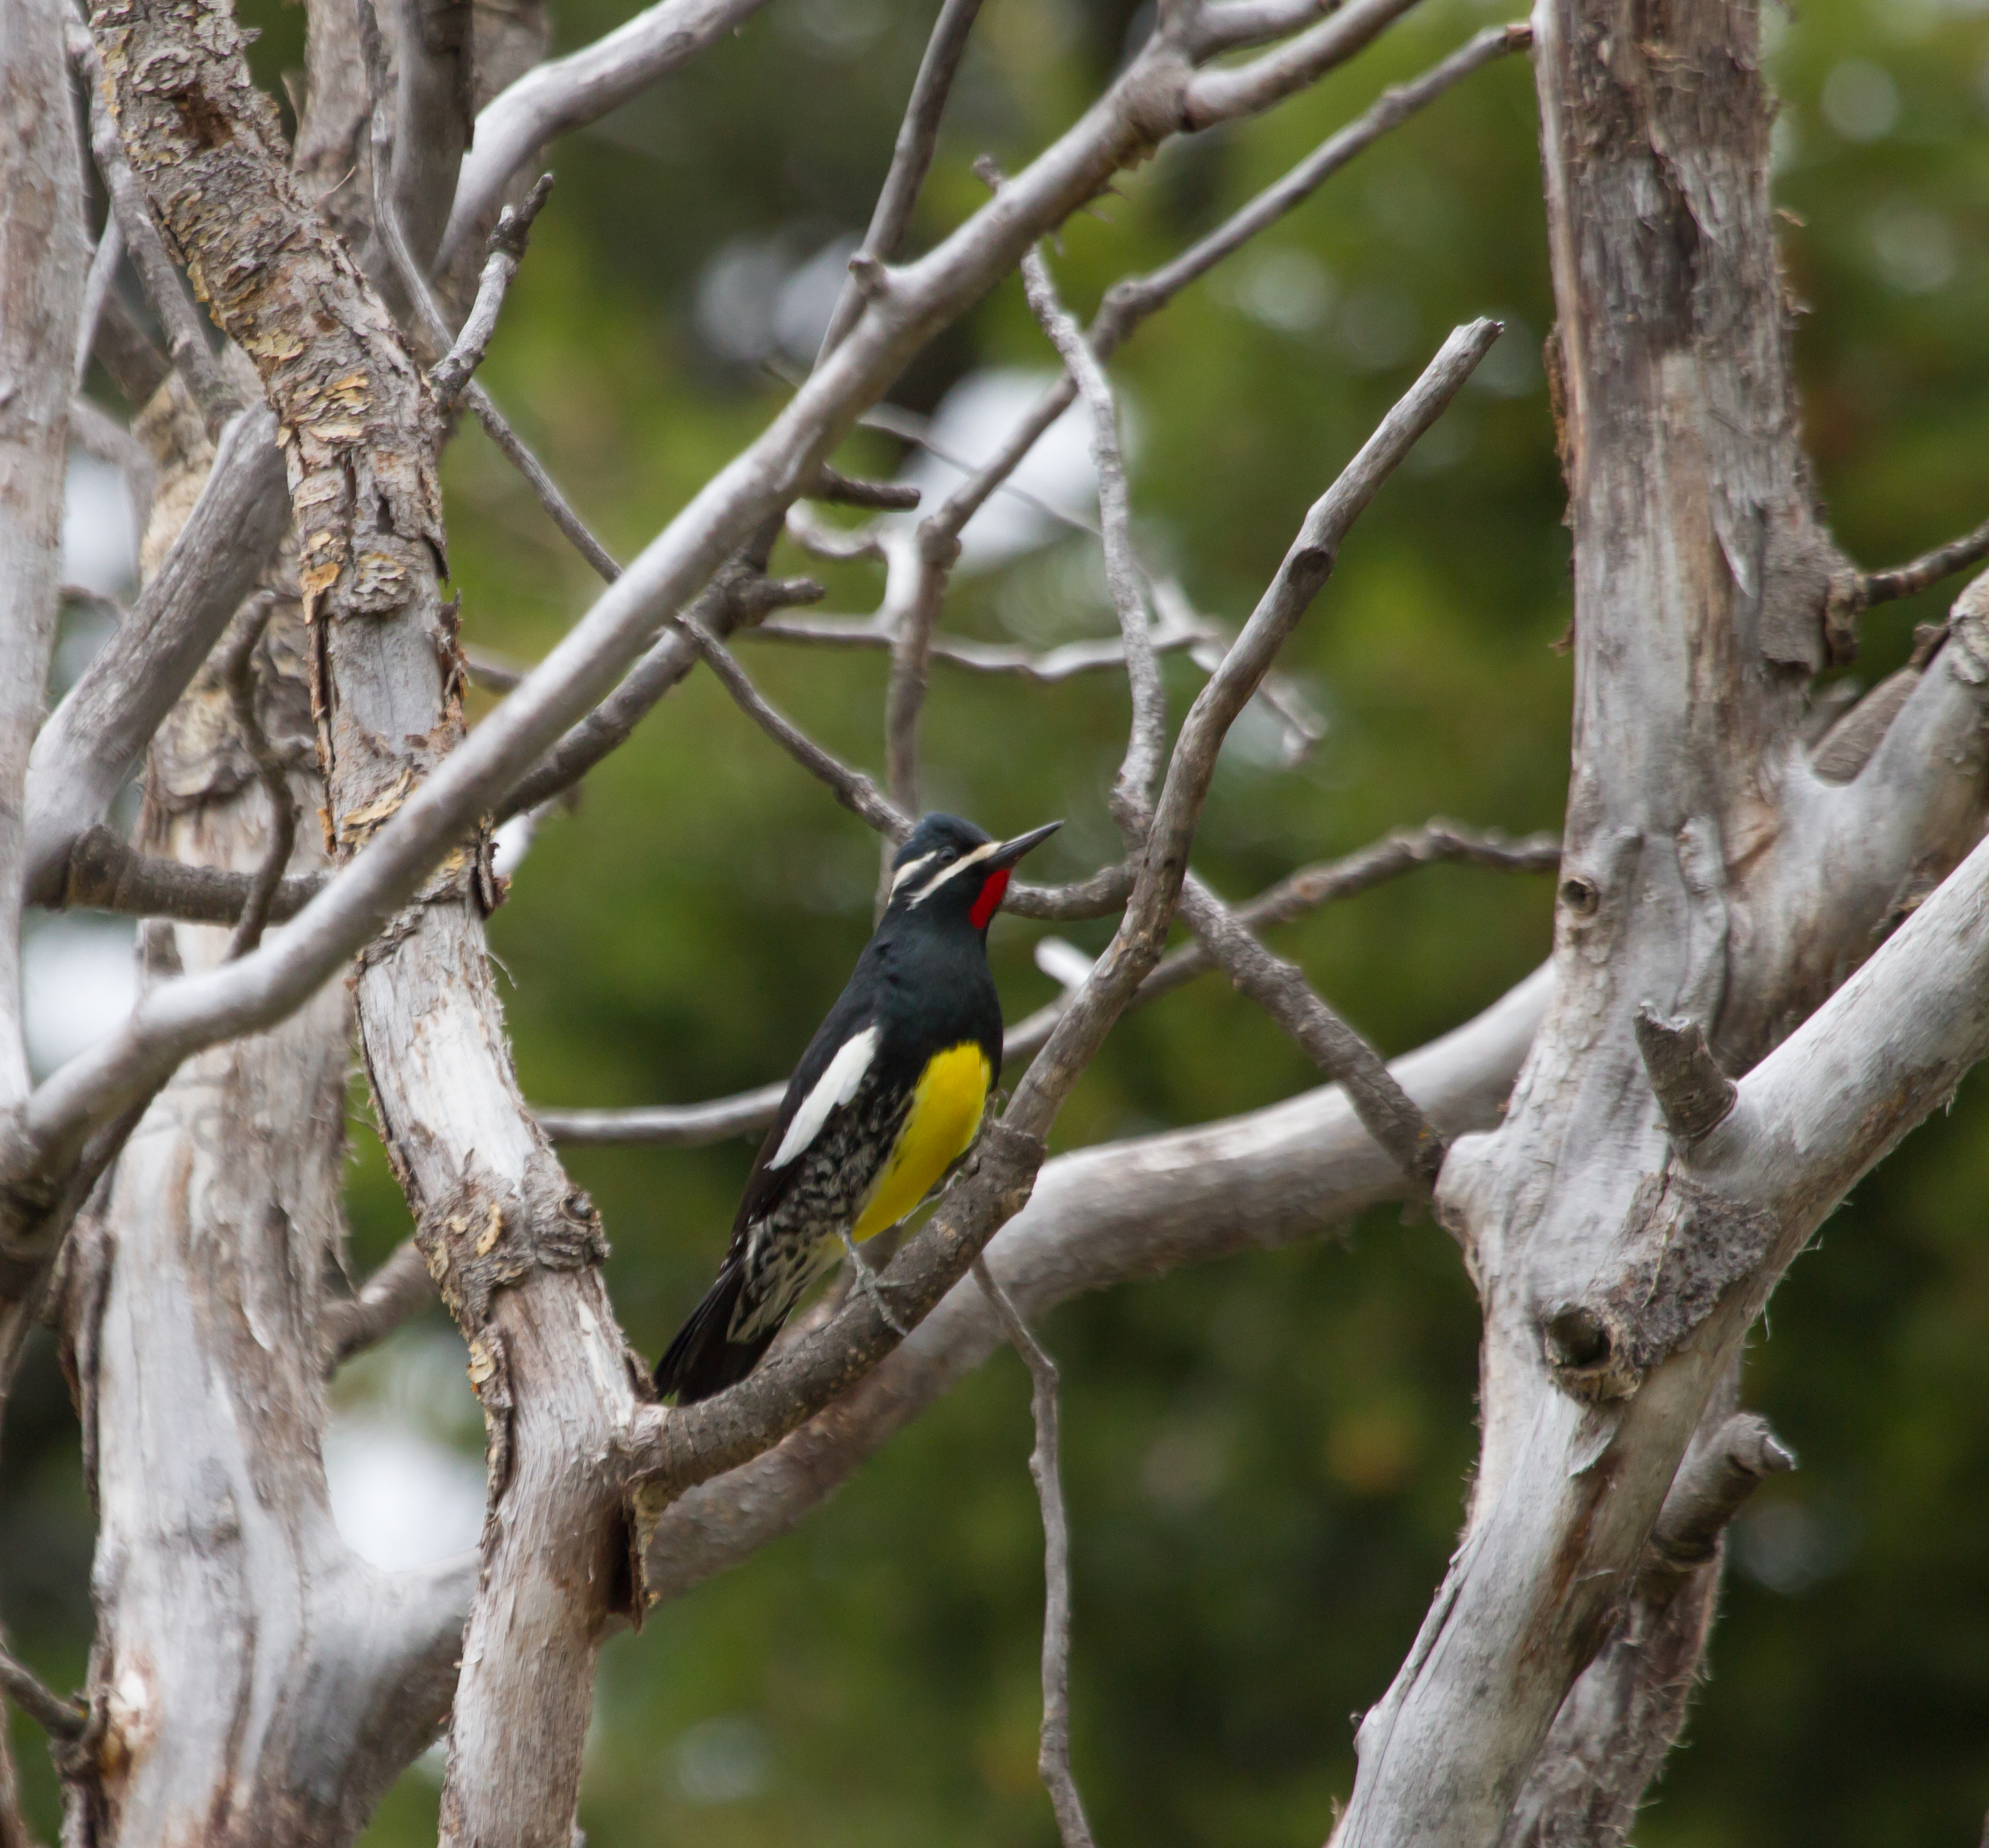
1616 1291
911 157
1053 1760
567 92
1282 990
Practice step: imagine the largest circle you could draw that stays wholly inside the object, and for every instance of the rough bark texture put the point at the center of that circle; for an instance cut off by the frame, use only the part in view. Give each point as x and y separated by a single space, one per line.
256 1680
1708 872
512 1244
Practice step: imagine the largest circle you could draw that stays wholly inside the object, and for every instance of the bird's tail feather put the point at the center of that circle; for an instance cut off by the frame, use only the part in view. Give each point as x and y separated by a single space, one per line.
702 1360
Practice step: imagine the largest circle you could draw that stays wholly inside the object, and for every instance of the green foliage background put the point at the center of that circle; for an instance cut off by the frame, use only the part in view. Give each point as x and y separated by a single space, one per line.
1266 1460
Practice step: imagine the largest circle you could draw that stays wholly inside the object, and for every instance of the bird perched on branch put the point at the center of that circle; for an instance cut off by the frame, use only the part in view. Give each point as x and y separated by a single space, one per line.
887 1098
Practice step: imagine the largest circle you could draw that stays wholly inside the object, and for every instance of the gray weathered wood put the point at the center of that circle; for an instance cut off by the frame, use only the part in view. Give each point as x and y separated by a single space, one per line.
1707 871
43 263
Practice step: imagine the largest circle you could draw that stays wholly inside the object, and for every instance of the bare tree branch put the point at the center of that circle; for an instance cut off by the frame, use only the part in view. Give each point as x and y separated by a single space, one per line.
1921 573
186 335
831 484
1146 745
451 371
103 261
1063 662
86 748
1053 1760
1692 1091
852 788
567 93
558 508
394 1294
1227 91
137 364
1710 1489
1281 989
911 158
60 1719
103 872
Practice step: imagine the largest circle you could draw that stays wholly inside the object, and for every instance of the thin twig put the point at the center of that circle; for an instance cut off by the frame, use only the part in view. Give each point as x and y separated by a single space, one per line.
918 136
186 338
855 791
839 489
60 1719
103 872
388 221
395 1293
1387 1112
236 669
738 593
494 672
558 508
507 250
109 253
1063 662
1928 568
1053 1757
1145 744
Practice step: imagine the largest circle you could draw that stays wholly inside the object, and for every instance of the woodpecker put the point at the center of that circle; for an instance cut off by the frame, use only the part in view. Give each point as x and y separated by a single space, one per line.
888 1096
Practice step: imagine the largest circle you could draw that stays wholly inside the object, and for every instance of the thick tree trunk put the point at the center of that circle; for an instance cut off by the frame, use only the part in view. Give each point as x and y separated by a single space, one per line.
258 1681
1708 870
513 1244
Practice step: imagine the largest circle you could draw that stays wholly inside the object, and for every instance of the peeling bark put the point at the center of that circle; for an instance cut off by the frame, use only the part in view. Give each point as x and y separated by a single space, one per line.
1708 872
513 1244
255 1679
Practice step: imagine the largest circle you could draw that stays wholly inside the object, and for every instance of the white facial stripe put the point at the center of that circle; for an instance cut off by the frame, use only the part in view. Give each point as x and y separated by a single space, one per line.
836 1086
959 866
909 868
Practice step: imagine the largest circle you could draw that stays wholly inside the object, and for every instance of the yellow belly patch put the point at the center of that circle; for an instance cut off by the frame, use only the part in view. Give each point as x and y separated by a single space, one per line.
944 1118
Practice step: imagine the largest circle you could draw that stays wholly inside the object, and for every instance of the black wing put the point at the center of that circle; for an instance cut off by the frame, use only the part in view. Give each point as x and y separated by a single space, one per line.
853 1014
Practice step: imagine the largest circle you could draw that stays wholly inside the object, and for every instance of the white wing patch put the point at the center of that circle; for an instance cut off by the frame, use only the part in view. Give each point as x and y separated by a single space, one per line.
836 1086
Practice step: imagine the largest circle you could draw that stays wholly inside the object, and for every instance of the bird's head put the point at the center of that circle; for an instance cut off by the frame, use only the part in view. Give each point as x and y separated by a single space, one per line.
948 869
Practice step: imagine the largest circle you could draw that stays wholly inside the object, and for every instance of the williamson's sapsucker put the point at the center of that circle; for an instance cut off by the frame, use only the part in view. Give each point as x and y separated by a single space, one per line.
887 1097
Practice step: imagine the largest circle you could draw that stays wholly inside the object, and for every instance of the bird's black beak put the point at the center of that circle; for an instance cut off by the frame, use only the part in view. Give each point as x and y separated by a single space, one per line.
1010 851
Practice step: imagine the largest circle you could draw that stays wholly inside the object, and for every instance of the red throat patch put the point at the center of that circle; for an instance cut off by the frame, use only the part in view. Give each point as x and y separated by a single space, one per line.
985 906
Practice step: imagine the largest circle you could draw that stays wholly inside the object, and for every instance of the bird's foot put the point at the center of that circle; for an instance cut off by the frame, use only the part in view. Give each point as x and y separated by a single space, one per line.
866 1281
